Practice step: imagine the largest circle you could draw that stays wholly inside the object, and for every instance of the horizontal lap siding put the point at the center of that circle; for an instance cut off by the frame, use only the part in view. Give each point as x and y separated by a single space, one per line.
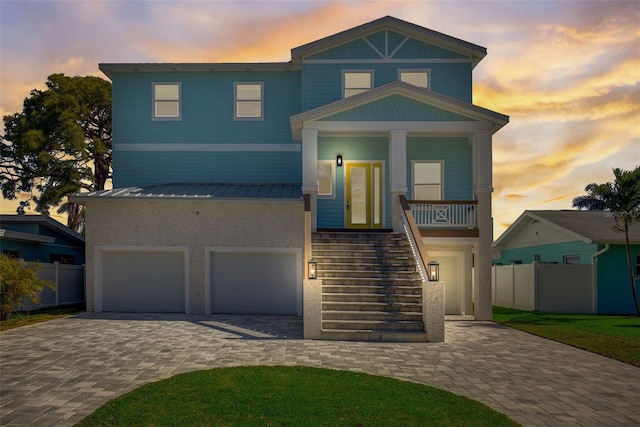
149 168
331 211
549 253
323 82
207 117
457 157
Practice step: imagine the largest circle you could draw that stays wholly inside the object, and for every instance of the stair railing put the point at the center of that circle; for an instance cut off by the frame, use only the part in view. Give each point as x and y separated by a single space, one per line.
415 240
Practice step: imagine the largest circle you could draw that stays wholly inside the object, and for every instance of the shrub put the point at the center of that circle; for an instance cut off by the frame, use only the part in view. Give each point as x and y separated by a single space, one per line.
19 284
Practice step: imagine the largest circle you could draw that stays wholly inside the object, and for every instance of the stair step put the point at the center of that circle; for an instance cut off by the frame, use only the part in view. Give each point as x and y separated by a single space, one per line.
371 316
373 325
375 305
373 335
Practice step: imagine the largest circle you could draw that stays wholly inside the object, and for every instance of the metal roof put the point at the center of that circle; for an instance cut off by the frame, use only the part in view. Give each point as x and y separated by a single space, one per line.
200 191
588 226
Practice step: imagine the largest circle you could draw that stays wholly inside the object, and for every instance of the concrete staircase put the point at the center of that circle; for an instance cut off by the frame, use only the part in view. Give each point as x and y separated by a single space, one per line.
370 288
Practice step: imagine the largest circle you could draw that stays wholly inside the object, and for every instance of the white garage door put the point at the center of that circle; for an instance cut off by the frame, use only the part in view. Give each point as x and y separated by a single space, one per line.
245 282
143 281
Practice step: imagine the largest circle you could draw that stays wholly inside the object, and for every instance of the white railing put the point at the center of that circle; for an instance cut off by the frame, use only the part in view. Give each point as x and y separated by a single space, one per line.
444 214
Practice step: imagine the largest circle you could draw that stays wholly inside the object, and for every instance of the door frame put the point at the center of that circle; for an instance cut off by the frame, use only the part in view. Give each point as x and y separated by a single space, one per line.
371 199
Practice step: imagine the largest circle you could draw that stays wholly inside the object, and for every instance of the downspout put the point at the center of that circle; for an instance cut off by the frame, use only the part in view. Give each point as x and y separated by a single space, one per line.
594 270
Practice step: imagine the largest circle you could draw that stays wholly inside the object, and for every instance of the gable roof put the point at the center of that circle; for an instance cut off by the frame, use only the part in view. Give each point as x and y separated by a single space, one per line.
426 96
587 226
43 220
475 52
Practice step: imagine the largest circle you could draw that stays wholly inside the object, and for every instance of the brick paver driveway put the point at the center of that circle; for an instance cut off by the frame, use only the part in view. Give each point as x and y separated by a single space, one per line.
58 372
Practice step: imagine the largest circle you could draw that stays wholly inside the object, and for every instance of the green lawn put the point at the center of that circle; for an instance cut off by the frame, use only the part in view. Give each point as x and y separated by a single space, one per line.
617 337
37 316
290 396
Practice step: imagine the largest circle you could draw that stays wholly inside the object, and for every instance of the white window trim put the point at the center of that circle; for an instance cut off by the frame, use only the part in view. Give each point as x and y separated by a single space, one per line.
332 163
344 72
427 71
153 102
235 101
413 176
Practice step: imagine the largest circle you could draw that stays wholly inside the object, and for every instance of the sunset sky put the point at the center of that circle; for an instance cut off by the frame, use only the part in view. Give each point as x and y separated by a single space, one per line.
567 73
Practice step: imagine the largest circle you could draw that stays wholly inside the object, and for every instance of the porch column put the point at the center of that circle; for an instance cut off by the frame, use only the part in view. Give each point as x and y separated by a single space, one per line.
483 187
310 171
398 172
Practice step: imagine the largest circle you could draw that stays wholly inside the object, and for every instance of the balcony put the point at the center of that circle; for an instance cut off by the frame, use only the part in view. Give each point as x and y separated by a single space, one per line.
445 218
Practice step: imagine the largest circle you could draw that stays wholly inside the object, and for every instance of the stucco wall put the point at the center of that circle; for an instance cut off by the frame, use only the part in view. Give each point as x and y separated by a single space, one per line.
195 224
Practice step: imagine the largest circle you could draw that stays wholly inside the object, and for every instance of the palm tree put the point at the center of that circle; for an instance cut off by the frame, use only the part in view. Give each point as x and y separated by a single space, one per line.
622 199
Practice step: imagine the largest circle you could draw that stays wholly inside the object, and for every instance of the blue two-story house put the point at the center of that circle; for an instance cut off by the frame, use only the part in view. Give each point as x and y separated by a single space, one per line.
222 172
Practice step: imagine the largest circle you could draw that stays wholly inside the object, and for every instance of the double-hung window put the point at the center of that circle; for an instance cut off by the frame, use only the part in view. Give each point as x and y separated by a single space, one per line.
354 82
249 101
427 180
166 101
418 78
326 178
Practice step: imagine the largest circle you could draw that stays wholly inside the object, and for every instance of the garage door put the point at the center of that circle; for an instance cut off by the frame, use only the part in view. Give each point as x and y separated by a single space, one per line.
246 282
143 281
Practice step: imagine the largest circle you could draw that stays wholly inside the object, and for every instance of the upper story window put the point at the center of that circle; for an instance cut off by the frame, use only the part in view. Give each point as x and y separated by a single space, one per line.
166 101
427 180
354 82
326 178
248 100
418 78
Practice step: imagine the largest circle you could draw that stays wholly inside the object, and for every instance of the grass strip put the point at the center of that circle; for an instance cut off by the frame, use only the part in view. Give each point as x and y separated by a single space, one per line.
617 337
290 396
27 318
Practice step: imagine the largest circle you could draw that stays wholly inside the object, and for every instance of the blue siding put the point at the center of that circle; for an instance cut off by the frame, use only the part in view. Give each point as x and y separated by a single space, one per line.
357 49
553 253
207 118
148 168
331 211
323 82
457 157
614 290
413 48
396 107
35 251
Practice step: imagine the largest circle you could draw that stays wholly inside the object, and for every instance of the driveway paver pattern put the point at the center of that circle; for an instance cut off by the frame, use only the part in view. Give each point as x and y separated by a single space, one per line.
56 373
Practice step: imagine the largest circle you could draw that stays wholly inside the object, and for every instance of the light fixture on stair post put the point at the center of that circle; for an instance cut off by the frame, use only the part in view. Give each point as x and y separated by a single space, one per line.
312 269
434 271
339 160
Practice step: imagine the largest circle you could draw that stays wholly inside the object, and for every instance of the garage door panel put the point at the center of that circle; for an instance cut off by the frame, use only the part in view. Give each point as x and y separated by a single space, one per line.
143 281
253 282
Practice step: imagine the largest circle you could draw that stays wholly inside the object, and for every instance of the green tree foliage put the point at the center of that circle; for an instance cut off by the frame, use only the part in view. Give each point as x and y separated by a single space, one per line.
59 144
19 284
622 199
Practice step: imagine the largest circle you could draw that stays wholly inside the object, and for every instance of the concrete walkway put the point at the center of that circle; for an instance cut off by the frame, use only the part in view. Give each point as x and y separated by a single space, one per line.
56 373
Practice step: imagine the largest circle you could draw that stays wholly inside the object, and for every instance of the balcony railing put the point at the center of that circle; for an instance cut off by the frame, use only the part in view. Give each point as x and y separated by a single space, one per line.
446 214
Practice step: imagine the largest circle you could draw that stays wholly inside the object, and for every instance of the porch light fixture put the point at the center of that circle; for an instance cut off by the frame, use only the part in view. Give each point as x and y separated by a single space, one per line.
433 268
339 160
312 269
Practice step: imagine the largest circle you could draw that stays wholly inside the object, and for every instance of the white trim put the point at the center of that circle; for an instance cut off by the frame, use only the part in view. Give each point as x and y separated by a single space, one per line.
249 249
97 273
153 102
426 71
208 147
459 127
235 102
413 177
351 71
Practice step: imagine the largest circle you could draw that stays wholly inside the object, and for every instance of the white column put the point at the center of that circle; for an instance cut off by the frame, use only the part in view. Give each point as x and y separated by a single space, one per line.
310 171
483 187
398 174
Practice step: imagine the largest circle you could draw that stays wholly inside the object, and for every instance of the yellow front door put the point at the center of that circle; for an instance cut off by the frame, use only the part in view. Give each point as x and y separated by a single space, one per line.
364 195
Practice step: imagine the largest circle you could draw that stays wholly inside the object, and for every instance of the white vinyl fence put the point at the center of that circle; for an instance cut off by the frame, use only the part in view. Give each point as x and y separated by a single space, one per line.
69 281
552 288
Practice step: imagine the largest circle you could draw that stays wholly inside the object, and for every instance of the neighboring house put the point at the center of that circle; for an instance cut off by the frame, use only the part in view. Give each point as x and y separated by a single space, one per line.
577 237
57 251
212 162
40 238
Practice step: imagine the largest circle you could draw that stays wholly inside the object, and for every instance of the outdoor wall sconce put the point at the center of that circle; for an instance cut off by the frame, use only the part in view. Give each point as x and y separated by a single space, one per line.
339 160
433 268
312 267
